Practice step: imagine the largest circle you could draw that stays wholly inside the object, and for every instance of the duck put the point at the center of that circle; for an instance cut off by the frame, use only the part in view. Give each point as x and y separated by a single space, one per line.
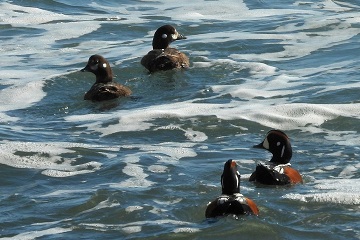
104 88
278 170
162 57
231 201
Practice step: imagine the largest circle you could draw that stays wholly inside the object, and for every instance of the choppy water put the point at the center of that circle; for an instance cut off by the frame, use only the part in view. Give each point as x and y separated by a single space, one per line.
145 167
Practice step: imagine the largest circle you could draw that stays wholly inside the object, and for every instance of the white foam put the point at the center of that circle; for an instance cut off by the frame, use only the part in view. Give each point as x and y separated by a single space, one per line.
282 115
20 96
186 230
333 197
349 171
20 16
103 204
189 133
132 229
79 169
167 152
339 191
62 193
297 39
346 138
134 225
130 209
46 157
38 233
172 202
158 169
136 172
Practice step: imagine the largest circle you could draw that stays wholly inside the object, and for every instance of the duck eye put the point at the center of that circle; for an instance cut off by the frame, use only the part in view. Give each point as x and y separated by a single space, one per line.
278 144
164 36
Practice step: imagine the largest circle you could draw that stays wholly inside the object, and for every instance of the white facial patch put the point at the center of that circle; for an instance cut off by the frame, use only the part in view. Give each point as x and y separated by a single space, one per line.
282 151
174 36
266 144
104 65
237 178
164 36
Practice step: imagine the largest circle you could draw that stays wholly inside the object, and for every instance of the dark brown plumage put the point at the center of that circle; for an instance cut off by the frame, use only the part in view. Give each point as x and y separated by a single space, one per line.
104 88
162 57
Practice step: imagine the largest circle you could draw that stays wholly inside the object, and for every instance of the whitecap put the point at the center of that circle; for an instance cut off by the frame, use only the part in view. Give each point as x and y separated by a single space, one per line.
339 191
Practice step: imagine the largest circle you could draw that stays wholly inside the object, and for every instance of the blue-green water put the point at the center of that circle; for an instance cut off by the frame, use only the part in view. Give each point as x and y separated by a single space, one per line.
146 166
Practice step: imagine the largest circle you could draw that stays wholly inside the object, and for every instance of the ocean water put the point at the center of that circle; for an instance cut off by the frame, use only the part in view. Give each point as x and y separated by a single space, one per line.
145 167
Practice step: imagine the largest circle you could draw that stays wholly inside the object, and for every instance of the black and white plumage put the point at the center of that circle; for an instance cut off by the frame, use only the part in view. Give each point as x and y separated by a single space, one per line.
231 201
278 170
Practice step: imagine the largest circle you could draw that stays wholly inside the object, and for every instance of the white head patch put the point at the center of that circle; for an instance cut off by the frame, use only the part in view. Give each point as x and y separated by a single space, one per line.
164 36
282 151
174 36
266 144
104 65
237 178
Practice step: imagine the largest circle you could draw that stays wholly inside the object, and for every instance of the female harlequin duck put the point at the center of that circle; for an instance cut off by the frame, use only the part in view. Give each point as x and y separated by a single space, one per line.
104 88
231 201
278 170
162 57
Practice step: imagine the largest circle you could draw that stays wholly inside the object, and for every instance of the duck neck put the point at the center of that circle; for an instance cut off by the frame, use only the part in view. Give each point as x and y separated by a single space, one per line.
103 79
104 76
281 160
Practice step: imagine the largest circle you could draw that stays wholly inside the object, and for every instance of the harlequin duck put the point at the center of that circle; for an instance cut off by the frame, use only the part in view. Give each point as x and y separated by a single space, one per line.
104 88
231 202
162 57
278 170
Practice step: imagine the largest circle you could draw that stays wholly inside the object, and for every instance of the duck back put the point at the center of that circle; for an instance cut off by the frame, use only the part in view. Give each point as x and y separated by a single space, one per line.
165 59
107 91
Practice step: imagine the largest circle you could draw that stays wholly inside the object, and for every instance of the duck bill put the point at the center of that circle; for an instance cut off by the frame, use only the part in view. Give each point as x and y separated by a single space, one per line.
261 145
85 69
180 36
177 36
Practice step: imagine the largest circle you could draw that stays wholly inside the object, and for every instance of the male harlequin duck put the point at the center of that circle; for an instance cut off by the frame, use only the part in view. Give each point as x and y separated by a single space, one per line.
104 88
231 201
162 57
278 170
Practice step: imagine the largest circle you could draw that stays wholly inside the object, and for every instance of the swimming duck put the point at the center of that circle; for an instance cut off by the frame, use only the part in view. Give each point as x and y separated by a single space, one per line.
231 201
104 88
162 57
278 170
